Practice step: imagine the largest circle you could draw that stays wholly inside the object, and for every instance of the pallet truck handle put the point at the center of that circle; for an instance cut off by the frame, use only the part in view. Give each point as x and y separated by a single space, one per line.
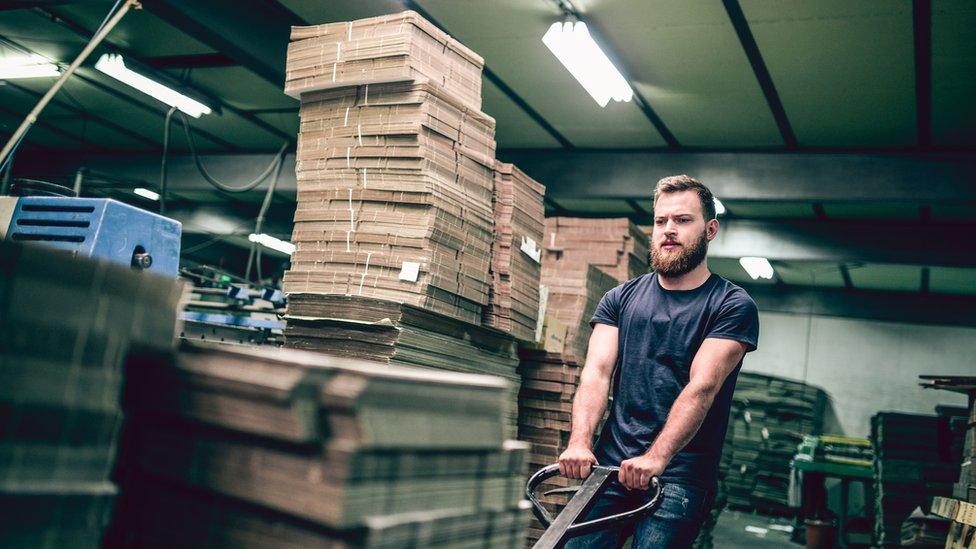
596 524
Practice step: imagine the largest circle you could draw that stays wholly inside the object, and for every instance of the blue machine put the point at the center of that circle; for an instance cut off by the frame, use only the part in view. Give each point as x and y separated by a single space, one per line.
96 227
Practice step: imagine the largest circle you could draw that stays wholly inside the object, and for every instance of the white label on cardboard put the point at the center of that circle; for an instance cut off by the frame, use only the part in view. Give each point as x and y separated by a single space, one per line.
531 249
748 417
409 271
765 433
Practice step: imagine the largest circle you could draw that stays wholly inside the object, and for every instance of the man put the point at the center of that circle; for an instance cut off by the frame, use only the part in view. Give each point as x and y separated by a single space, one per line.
672 341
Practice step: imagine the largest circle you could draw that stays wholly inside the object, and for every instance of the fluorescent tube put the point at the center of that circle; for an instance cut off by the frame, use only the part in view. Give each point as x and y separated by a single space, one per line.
572 44
114 66
146 193
273 243
757 267
719 207
26 66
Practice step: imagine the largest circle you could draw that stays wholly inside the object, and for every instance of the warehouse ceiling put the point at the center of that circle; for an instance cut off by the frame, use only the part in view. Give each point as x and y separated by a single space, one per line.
811 85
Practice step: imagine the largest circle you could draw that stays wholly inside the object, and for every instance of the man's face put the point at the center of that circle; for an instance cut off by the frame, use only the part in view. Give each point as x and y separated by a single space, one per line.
680 237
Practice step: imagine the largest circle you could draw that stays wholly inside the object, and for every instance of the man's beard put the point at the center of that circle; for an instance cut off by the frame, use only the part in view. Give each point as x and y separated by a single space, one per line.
681 263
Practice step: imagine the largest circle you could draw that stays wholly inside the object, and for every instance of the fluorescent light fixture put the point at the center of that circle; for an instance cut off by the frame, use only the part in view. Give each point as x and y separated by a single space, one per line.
273 243
572 44
114 66
27 66
757 267
719 207
146 193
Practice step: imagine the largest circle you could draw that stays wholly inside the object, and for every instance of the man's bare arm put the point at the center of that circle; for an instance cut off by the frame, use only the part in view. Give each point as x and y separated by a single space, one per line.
715 360
590 401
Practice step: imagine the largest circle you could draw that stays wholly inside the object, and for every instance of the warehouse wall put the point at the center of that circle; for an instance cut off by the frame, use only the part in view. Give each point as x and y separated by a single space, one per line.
864 365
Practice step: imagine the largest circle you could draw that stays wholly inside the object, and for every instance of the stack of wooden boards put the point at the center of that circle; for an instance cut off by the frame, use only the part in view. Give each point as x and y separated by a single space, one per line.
585 258
769 417
963 516
257 447
915 459
513 305
965 488
68 326
397 333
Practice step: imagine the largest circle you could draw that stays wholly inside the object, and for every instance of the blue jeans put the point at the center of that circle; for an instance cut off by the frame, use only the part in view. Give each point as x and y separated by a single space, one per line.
674 525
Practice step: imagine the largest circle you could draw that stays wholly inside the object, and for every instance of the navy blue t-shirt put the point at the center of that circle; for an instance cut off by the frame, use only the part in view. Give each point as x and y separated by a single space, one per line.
660 332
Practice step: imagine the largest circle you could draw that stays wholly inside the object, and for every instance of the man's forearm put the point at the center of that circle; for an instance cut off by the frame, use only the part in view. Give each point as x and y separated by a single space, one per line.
589 406
686 417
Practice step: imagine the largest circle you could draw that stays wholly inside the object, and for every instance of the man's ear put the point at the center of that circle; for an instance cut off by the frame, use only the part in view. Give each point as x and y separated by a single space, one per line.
711 229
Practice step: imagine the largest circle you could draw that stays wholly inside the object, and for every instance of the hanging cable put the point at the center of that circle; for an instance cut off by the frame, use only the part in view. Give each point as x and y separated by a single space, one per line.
162 167
259 222
223 186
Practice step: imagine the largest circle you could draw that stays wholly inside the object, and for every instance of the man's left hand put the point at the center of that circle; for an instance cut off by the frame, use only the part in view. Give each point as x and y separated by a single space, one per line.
635 473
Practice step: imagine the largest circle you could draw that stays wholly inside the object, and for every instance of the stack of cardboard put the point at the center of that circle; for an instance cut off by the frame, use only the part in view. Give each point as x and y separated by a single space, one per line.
395 166
396 333
769 418
584 259
549 383
389 48
963 517
515 254
617 246
965 487
913 462
68 325
258 447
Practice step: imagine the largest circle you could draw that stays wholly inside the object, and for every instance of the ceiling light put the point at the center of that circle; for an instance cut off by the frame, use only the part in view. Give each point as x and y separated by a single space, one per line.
27 66
719 207
572 44
146 193
757 267
114 66
273 243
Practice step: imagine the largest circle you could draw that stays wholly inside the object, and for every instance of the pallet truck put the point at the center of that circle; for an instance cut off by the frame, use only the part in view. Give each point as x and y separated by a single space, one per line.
564 526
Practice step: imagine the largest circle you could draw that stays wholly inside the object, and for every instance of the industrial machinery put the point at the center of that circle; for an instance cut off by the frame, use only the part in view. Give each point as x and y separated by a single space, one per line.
95 227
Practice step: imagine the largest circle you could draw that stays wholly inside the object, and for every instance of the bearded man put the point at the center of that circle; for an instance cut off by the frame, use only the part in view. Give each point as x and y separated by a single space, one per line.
671 342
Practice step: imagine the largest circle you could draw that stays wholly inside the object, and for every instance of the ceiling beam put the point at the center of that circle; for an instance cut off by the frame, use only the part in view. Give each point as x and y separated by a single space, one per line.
911 307
107 45
256 37
55 129
83 113
505 88
892 242
804 177
922 25
192 61
751 49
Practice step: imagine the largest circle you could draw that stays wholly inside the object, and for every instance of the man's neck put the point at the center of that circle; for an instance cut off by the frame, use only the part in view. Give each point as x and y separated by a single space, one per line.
688 281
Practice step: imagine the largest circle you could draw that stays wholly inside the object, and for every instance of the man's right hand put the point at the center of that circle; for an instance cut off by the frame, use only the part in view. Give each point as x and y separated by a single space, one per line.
576 461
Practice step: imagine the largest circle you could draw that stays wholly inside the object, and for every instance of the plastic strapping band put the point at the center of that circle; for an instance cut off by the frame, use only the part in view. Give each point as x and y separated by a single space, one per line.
348 159
350 31
345 121
366 95
364 178
365 270
359 132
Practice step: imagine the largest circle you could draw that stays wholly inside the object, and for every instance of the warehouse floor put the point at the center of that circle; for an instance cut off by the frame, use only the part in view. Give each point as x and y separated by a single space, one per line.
731 533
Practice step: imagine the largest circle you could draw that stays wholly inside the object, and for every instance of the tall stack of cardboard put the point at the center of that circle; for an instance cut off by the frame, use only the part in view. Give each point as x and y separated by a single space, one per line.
266 448
515 255
965 487
396 333
769 418
67 327
395 167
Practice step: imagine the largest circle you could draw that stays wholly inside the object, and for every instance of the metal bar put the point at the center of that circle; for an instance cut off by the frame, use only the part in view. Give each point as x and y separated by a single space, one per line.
505 88
192 61
819 211
577 508
92 44
922 25
751 49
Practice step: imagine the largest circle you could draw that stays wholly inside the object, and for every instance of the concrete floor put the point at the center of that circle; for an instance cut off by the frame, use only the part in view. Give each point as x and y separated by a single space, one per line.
731 532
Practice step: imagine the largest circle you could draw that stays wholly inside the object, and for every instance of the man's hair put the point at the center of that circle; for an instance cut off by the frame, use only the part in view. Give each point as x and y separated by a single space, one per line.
678 183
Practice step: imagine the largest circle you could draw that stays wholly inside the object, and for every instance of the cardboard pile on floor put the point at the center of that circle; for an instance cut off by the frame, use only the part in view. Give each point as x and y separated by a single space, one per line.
255 447
397 333
916 458
768 419
516 255
68 325
965 487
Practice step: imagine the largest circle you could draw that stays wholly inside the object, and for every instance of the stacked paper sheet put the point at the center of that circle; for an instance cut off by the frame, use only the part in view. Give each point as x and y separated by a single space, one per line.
516 254
258 447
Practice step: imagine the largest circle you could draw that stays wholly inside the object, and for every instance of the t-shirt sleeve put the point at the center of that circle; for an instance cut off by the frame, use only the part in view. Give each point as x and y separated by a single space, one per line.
738 319
607 311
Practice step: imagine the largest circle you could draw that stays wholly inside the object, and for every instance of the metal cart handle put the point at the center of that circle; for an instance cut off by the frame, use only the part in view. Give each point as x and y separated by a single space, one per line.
599 477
